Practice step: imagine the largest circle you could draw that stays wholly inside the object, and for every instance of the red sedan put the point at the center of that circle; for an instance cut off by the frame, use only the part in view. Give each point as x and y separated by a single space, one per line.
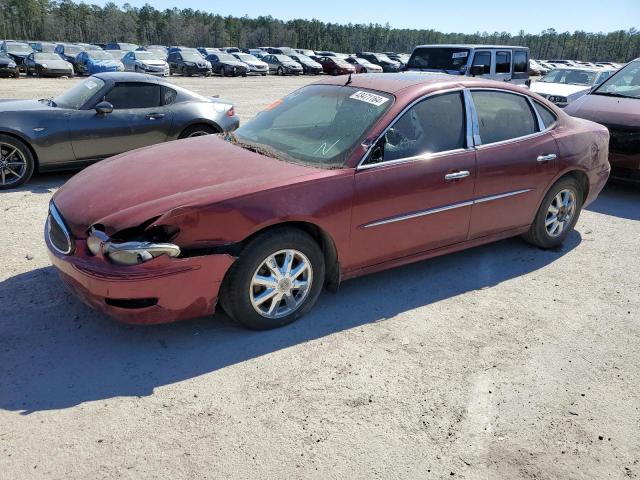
336 180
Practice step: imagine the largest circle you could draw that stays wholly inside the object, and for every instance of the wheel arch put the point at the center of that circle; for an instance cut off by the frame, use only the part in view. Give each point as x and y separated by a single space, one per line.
324 240
579 175
200 121
27 142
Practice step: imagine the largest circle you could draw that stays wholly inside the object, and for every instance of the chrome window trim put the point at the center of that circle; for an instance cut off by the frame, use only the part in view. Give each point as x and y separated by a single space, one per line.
362 166
399 161
53 212
431 211
480 145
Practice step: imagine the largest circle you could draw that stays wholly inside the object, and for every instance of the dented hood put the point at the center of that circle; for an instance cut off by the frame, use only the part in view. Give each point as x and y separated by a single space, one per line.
129 189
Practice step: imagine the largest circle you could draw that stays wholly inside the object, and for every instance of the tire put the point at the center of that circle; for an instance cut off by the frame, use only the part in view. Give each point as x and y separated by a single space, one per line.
542 235
237 290
17 166
280 72
264 74
197 131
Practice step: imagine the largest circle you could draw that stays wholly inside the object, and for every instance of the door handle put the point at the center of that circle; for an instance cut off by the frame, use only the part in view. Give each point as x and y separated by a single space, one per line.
547 158
155 116
456 175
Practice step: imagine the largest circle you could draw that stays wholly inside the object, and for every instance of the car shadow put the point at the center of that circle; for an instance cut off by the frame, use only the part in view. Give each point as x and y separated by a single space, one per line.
56 353
618 199
43 183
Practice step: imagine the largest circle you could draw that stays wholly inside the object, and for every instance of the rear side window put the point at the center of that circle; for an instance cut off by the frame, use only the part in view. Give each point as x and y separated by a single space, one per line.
547 117
520 64
503 62
134 95
483 59
168 95
503 116
437 124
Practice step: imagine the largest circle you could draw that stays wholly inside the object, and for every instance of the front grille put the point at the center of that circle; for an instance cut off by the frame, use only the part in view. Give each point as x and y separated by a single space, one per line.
624 140
57 232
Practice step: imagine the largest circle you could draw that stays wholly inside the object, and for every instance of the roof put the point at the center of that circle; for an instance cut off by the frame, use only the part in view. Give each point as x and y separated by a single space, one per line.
472 45
130 77
395 82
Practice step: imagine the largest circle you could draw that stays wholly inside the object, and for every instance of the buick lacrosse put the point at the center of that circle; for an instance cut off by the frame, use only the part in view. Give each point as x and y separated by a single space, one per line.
340 178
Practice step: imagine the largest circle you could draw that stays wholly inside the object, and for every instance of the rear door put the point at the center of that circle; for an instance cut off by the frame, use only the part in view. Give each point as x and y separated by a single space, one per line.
483 58
414 192
138 119
517 159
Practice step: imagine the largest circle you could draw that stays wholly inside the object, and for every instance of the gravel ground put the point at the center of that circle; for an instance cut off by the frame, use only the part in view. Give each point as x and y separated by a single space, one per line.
501 362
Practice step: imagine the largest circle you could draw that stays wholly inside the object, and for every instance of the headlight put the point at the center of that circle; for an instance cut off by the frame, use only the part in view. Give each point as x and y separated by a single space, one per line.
12 65
189 64
128 253
557 99
44 65
121 68
208 64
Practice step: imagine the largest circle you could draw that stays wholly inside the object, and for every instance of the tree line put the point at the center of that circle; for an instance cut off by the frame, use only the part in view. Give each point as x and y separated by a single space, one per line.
66 20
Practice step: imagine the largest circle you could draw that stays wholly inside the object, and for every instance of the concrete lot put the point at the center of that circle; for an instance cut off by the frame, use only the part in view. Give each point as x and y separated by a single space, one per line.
501 362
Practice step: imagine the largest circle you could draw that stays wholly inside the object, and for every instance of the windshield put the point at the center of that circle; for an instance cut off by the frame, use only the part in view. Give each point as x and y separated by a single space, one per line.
100 55
148 55
191 57
225 57
19 48
245 57
49 57
381 57
433 58
128 46
72 49
301 58
77 96
283 58
340 61
570 76
318 125
625 83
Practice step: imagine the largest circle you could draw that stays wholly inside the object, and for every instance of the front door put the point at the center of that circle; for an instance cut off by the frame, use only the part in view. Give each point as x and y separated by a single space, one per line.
138 120
414 192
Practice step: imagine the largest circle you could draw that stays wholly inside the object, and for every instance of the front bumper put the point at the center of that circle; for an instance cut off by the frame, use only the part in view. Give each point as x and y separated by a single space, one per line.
9 72
197 70
45 72
160 291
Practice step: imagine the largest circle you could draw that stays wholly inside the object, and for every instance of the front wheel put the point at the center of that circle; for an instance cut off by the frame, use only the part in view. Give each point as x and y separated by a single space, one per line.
557 215
276 280
280 71
16 162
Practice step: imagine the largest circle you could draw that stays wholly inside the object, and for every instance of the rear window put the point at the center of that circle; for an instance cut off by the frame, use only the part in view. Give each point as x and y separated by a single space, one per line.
520 62
503 62
503 116
435 58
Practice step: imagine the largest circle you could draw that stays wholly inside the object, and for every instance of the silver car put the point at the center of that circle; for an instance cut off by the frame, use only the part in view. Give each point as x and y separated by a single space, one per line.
145 62
255 65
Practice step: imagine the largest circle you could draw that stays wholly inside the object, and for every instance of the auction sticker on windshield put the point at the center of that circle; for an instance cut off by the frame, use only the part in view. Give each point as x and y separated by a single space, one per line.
459 54
368 97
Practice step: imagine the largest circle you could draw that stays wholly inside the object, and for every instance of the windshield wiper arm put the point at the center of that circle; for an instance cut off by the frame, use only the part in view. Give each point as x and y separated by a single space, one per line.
254 147
611 94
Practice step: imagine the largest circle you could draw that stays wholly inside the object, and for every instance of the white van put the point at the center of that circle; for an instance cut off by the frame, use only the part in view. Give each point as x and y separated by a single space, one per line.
496 62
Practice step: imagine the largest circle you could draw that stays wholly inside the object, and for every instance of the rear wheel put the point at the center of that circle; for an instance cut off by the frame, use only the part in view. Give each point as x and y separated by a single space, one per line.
280 71
197 131
276 280
557 215
16 162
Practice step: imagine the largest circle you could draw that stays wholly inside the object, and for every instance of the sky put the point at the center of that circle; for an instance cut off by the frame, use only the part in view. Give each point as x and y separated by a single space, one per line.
466 16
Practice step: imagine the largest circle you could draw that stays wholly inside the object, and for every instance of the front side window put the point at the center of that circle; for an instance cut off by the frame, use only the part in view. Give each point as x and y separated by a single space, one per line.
318 125
570 76
502 116
483 59
134 95
503 62
436 124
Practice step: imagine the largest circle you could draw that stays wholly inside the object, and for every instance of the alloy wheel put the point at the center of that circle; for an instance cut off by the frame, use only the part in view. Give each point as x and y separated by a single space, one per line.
13 165
281 284
560 212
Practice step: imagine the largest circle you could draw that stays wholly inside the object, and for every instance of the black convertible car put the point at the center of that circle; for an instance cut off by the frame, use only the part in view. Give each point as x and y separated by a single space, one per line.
106 114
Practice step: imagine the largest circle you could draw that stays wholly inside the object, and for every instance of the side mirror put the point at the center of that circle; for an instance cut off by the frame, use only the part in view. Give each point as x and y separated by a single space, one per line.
476 70
103 108
377 154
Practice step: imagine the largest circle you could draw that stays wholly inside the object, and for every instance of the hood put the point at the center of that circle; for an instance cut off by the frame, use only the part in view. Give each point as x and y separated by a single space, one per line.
104 63
6 61
291 64
153 185
59 64
257 63
624 112
558 89
154 63
237 63
22 105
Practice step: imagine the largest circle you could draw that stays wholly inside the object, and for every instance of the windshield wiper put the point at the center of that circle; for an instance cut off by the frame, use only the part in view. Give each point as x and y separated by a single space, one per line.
255 147
611 94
